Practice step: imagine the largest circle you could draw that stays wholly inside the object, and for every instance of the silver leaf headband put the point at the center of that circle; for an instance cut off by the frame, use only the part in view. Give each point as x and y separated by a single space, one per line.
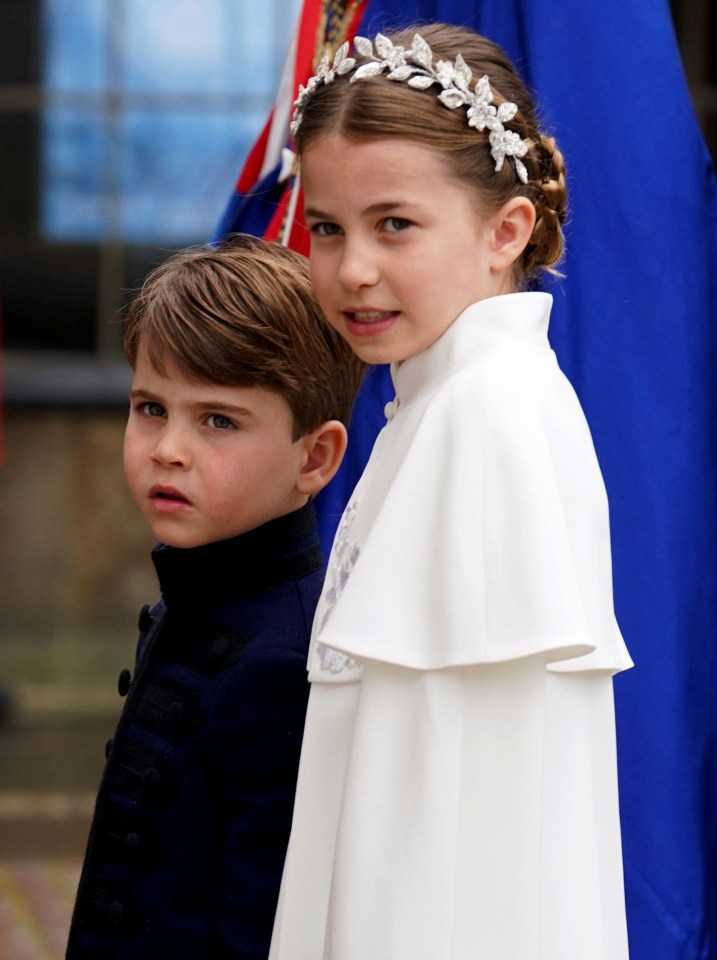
415 67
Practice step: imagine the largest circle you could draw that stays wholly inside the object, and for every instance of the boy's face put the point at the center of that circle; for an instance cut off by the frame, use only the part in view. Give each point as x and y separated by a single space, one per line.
206 462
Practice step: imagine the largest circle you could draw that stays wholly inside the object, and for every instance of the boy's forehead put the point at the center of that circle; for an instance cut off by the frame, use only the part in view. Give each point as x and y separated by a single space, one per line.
159 358
164 372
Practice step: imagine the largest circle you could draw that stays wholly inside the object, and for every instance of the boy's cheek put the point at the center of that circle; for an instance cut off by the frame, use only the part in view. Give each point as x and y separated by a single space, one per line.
132 459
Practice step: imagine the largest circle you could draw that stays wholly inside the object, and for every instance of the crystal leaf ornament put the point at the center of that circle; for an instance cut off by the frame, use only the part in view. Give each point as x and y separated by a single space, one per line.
415 67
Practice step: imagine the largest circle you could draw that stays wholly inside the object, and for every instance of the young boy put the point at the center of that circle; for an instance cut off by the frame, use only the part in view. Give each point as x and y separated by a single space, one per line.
240 394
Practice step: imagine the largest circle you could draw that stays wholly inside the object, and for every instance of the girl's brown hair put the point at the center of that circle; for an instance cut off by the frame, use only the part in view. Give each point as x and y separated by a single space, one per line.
244 314
377 108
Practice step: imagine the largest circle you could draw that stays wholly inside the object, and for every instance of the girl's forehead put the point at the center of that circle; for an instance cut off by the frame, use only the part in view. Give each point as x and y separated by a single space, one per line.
346 160
376 172
340 143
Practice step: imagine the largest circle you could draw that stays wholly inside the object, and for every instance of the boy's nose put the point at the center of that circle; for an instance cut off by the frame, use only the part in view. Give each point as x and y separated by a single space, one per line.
357 268
172 447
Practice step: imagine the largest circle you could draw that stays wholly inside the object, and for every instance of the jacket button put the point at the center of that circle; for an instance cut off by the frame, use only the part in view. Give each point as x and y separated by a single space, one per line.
150 777
145 618
116 912
108 748
219 648
175 714
123 682
131 842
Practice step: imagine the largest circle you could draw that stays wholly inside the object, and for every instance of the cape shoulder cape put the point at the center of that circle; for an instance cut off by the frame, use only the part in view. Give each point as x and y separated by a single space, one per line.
479 531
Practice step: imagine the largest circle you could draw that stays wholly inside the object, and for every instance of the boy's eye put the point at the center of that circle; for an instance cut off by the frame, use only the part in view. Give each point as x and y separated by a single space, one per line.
325 229
219 422
150 408
396 224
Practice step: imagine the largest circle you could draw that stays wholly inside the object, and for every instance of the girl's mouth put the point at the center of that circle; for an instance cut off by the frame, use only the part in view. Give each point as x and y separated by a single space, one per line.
369 322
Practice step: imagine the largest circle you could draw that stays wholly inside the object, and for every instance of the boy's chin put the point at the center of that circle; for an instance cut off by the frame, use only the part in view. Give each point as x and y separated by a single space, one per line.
174 536
186 539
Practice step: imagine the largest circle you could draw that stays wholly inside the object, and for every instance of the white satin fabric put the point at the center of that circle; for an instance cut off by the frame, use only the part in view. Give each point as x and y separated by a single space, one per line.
457 796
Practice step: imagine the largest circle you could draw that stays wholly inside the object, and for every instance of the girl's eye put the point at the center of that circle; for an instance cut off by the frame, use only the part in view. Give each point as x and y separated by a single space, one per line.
396 224
325 229
219 422
150 408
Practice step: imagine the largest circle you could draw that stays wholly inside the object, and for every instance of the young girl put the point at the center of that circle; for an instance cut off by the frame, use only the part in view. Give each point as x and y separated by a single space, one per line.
457 796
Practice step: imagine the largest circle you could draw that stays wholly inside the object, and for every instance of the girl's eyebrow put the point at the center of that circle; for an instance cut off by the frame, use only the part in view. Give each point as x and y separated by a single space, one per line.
385 206
313 212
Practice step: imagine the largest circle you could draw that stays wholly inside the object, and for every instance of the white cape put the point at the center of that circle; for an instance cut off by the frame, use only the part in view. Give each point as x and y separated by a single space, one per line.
457 795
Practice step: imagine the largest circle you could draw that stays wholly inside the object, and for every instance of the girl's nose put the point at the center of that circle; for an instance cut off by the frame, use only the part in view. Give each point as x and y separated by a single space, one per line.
358 268
172 448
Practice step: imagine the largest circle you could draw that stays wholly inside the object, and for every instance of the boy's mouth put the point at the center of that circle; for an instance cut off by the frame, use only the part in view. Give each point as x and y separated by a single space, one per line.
168 497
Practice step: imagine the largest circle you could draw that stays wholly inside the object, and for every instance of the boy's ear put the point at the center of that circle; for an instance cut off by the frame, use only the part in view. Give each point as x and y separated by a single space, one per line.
325 448
512 229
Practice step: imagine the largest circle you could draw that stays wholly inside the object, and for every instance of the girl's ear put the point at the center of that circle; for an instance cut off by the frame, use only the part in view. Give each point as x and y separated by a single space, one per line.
512 229
325 448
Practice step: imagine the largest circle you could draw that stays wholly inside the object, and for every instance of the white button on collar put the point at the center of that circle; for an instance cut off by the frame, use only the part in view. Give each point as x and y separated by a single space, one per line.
389 411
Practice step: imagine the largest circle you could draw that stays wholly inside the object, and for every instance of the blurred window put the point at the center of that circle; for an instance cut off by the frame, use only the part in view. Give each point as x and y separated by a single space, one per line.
123 125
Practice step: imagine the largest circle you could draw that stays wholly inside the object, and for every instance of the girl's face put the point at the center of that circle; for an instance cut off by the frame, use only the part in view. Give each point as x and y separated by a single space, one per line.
398 247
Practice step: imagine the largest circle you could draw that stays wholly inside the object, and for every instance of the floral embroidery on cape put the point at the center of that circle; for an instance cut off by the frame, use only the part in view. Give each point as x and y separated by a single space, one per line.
344 554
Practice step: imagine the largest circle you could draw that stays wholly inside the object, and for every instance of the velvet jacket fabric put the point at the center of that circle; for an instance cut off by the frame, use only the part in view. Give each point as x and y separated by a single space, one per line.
194 809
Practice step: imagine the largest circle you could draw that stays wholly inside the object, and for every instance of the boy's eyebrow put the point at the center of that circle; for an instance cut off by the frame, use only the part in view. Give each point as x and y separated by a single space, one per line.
203 404
136 392
223 405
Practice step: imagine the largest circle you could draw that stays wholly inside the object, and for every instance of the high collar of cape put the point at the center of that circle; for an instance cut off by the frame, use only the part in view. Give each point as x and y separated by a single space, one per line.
282 549
510 316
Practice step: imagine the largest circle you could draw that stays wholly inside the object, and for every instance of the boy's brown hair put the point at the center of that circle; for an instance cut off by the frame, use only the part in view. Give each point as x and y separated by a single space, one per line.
244 314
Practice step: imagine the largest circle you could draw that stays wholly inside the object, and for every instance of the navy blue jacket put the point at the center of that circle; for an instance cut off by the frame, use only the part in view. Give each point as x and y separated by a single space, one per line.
194 809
